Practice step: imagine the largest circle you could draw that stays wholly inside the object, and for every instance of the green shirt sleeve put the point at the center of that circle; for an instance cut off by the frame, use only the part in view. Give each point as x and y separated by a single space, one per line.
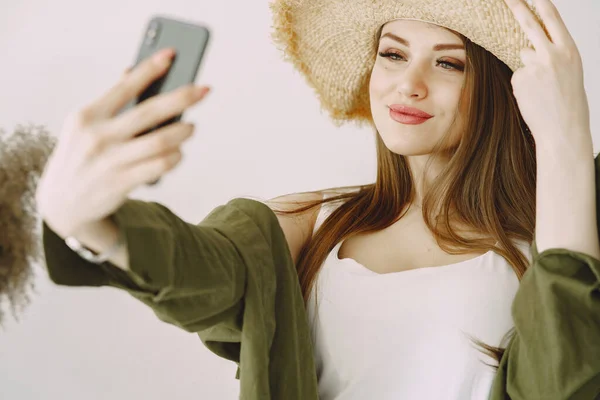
172 264
230 279
555 351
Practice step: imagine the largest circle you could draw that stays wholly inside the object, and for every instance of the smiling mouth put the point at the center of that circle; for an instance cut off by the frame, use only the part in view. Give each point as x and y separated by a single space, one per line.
407 119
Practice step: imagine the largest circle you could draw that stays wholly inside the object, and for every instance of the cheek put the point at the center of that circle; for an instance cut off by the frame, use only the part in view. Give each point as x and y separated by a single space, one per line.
453 102
461 115
378 84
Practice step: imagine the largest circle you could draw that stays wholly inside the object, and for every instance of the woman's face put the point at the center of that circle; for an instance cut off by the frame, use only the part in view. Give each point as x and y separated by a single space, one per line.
409 72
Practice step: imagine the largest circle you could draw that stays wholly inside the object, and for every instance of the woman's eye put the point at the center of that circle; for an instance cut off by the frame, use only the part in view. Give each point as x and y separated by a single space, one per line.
445 64
450 65
390 55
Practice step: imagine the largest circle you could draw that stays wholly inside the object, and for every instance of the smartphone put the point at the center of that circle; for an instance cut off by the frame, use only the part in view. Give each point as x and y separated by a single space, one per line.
189 40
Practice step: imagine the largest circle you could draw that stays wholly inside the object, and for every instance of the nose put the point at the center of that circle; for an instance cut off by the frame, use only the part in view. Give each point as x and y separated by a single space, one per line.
412 82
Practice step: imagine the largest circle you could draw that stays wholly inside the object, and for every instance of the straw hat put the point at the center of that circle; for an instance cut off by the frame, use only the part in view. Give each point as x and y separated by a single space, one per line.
333 42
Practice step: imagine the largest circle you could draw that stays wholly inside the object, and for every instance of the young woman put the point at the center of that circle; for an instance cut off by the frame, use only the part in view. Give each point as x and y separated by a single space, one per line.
483 137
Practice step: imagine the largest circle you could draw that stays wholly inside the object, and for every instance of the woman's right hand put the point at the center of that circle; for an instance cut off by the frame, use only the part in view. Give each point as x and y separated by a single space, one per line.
98 160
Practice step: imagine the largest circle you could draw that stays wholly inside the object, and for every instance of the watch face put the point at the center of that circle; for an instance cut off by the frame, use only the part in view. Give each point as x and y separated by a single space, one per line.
82 251
73 243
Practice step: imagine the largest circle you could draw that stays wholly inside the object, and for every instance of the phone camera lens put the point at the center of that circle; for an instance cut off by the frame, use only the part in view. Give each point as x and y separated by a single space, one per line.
152 33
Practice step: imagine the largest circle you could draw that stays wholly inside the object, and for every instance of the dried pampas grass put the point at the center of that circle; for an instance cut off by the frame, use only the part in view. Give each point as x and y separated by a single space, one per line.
23 155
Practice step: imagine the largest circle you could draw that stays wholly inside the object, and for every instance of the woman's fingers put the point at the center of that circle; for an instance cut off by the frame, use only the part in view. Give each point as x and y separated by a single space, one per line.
557 29
150 170
153 111
132 84
150 146
127 71
530 25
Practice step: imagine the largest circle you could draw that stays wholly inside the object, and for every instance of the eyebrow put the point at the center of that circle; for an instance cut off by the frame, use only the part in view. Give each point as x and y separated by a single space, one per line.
437 47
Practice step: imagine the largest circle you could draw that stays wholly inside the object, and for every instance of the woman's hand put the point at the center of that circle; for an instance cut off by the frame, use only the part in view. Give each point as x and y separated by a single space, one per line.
549 88
98 160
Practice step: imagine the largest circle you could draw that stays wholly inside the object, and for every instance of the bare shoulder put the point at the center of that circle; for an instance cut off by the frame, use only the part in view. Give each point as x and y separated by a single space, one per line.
297 227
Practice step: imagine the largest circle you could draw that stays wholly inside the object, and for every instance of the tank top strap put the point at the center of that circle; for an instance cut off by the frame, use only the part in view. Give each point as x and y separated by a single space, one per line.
327 208
323 213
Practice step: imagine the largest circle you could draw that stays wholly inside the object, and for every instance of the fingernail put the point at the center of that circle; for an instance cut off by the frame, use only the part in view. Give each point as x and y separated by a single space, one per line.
202 90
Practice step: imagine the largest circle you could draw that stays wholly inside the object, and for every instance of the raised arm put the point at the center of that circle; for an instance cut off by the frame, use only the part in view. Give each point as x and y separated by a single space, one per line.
229 278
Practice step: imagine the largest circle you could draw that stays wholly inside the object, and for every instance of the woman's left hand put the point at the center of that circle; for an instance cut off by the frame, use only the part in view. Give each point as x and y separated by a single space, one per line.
549 88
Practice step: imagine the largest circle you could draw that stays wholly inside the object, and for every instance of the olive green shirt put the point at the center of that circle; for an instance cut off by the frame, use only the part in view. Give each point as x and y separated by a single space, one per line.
231 280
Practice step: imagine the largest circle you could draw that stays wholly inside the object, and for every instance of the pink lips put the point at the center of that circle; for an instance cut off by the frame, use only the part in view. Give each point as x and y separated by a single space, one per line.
408 115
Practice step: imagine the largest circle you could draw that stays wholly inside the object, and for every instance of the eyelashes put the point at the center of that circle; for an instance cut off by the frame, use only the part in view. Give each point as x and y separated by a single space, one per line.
452 66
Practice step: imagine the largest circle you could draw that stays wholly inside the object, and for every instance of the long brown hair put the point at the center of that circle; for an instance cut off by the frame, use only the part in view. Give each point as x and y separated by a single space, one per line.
487 186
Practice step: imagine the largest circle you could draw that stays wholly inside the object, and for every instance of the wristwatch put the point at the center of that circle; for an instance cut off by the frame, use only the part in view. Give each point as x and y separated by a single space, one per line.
90 255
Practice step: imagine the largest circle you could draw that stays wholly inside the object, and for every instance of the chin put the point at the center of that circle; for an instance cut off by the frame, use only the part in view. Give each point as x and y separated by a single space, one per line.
406 140
407 146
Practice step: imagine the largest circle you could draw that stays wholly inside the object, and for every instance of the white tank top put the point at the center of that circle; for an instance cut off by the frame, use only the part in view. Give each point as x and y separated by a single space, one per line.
400 335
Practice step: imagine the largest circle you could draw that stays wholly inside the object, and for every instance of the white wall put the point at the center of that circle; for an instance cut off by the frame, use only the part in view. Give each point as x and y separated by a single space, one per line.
79 343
